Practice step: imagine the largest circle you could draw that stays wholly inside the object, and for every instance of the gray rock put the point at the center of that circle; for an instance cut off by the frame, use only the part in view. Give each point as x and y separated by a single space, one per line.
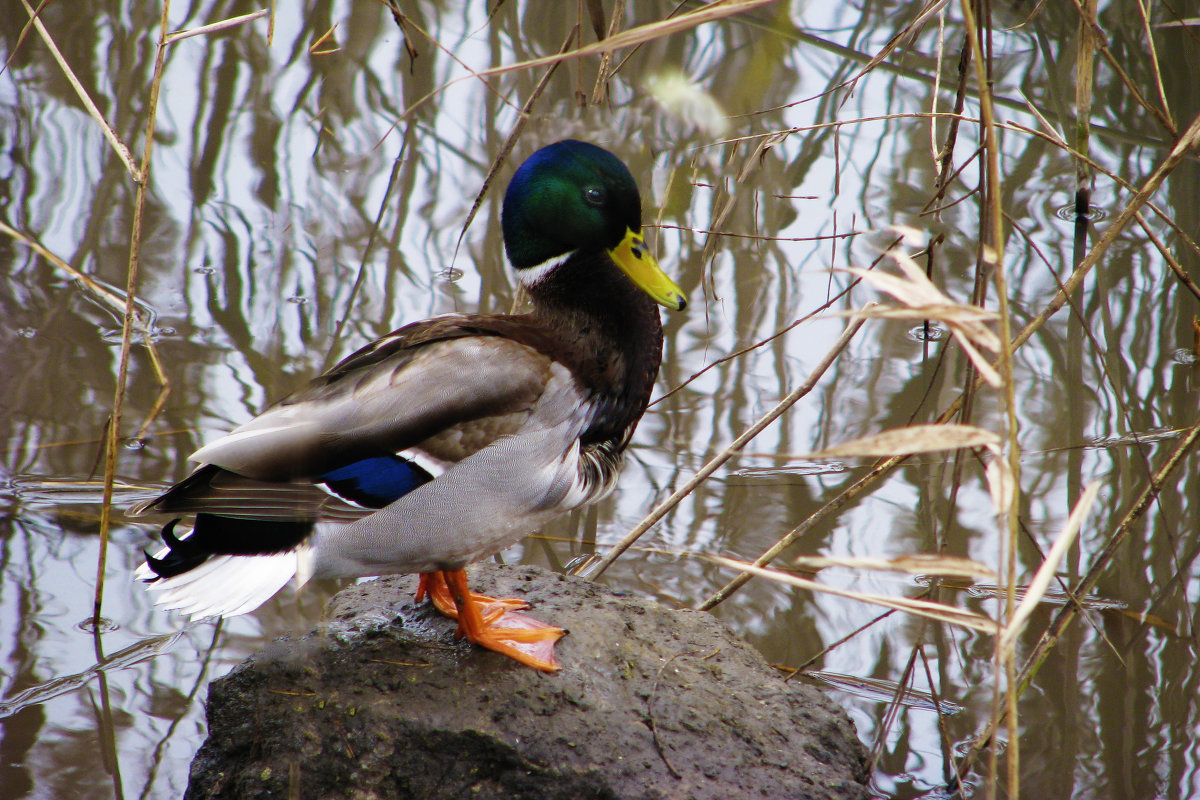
651 703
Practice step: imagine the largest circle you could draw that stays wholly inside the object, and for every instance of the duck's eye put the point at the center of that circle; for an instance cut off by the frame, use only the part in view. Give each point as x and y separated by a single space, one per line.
593 196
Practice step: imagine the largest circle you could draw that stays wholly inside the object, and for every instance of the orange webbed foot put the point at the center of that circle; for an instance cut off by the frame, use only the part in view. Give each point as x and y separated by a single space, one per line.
492 622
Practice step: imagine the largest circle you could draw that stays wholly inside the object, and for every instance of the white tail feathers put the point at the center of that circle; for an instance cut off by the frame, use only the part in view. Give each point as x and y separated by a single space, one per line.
225 586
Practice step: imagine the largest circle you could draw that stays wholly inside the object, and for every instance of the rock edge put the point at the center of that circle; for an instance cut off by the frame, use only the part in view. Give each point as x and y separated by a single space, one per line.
651 703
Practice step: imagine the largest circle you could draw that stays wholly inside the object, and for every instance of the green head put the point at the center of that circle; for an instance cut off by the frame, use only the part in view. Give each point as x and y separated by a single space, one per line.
572 197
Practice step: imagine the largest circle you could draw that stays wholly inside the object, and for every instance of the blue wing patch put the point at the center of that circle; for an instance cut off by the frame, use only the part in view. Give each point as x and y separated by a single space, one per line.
375 482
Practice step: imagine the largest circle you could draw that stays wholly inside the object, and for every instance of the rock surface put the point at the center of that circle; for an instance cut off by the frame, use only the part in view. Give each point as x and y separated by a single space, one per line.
651 703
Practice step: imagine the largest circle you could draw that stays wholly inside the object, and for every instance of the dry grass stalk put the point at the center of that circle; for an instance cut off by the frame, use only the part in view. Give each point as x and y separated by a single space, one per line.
223 25
1181 150
319 48
1189 141
1100 565
135 243
626 39
885 467
1154 64
915 564
1084 77
903 38
912 440
102 293
603 73
118 303
117 145
1045 574
923 300
1087 13
1184 235
405 23
729 452
844 499
510 142
992 257
646 33
939 612
1050 134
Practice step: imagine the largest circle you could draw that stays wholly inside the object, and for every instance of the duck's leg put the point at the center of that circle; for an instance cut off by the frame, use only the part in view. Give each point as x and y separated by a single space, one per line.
434 585
491 622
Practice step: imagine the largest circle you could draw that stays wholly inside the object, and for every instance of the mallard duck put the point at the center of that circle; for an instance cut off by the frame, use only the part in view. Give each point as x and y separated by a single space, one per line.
448 439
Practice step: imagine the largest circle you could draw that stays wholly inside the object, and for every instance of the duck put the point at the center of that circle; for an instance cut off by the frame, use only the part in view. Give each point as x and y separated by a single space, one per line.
449 439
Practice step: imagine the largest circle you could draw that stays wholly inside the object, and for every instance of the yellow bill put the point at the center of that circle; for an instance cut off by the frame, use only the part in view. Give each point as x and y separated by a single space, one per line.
636 261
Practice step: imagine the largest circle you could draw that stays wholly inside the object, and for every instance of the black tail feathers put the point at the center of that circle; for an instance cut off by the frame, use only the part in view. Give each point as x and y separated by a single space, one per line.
217 535
182 556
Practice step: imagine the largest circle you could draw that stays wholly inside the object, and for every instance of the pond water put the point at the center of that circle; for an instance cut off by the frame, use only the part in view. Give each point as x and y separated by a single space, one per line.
308 194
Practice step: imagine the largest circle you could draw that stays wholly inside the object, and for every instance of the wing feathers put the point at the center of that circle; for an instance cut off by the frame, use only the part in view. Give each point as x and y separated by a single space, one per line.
341 420
213 490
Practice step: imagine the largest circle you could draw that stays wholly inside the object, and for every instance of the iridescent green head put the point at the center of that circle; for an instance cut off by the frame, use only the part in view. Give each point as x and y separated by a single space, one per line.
573 197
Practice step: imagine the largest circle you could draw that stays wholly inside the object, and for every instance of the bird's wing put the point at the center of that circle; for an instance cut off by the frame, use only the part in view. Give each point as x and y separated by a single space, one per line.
384 421
395 397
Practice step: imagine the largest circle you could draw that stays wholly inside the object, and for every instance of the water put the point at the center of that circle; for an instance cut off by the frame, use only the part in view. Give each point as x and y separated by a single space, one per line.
296 211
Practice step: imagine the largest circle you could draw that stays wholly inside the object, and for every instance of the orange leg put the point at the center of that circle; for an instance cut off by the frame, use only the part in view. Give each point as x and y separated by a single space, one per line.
434 584
491 622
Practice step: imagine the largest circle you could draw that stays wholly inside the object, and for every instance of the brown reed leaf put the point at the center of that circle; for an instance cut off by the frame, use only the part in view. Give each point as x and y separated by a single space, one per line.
922 608
912 564
912 440
1045 574
914 289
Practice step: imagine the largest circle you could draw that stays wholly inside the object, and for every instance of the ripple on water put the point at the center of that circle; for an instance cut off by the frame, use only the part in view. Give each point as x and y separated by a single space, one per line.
93 625
927 333
1067 213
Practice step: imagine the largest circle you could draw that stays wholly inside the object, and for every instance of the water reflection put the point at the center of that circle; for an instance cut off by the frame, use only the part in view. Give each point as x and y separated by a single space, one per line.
283 175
